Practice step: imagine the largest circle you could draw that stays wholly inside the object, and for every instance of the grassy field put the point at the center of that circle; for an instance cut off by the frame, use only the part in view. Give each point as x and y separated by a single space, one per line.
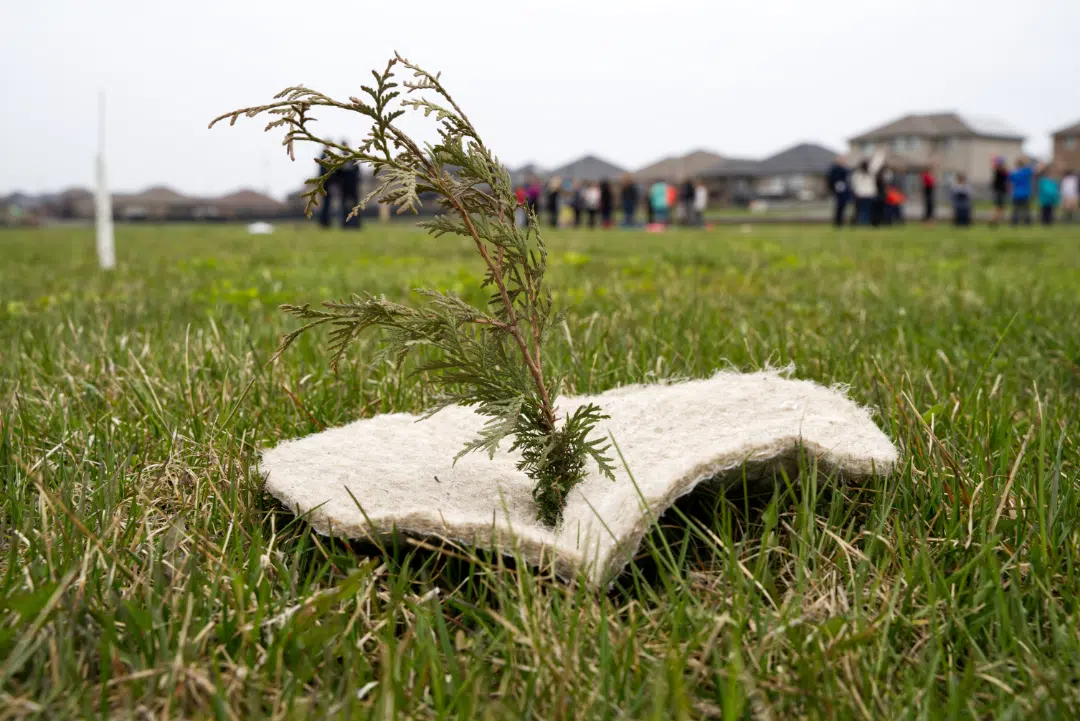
144 573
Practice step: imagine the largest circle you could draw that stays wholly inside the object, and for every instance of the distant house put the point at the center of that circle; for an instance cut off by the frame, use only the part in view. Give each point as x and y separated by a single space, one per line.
677 168
950 142
73 204
159 203
589 168
795 173
527 173
1067 148
248 205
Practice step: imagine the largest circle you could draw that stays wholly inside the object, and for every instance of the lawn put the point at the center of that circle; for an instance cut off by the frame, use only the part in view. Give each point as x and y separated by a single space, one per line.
144 573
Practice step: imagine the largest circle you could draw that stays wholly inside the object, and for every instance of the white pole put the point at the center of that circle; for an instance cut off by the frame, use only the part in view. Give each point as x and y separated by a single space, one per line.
103 221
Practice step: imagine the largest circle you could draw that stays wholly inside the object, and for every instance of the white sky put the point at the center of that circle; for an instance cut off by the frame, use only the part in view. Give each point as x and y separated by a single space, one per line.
544 81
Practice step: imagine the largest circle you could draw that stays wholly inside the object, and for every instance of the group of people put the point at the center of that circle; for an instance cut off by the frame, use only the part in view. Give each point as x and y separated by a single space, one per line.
1049 187
875 190
571 203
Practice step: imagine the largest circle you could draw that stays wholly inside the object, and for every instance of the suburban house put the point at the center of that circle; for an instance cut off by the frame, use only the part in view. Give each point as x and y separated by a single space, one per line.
1067 148
528 173
157 203
248 205
589 169
795 173
950 143
675 169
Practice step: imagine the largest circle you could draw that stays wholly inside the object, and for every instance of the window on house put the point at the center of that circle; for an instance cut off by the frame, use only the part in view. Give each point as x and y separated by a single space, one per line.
948 143
898 144
1071 143
913 143
867 148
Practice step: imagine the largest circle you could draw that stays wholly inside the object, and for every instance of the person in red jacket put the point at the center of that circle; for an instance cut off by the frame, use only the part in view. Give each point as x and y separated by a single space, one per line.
928 185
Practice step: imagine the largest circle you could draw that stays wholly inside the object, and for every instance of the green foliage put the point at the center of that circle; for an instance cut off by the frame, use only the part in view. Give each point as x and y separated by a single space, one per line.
488 359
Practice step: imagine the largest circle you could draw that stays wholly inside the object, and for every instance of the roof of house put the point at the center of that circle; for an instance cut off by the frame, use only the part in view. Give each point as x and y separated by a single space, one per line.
247 199
941 125
589 168
1073 129
527 171
156 194
804 158
679 167
800 158
733 167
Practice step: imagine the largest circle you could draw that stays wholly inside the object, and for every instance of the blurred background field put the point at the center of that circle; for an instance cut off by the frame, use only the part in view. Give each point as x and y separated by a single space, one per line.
143 572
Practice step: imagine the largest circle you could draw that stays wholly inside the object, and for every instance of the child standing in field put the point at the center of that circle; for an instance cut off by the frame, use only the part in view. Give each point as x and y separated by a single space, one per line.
1021 179
1070 195
658 201
894 206
1000 186
701 202
961 202
1049 195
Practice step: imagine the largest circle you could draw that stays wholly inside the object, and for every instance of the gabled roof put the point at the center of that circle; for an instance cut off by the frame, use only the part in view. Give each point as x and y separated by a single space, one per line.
247 199
1073 129
733 168
529 170
802 158
589 168
156 194
939 125
680 167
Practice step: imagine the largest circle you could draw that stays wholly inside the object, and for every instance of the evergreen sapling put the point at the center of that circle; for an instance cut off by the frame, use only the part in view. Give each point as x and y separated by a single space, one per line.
488 358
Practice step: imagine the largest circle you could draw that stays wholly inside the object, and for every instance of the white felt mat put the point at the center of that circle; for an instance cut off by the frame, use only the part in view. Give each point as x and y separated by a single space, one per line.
673 436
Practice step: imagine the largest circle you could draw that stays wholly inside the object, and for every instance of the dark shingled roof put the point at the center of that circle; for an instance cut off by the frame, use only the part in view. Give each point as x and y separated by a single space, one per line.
801 159
589 168
809 158
939 125
733 167
680 167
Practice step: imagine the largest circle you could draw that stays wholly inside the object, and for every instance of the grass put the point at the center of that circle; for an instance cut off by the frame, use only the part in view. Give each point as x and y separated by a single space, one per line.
143 572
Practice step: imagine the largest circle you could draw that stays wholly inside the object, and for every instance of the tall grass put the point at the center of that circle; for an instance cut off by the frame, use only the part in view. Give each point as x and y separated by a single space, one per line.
143 572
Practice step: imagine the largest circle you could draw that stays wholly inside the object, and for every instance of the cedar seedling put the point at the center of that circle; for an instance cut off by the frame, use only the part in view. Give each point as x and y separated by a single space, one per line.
488 358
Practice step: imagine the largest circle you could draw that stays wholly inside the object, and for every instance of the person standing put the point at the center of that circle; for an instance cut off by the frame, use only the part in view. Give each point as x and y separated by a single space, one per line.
1000 187
658 199
839 180
1022 180
929 185
687 202
701 202
590 196
1070 195
607 203
864 190
532 195
554 186
629 200
879 214
961 201
1049 195
576 202
330 185
349 180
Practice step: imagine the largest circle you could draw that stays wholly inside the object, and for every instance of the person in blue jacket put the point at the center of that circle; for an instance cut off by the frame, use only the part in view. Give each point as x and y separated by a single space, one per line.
1022 181
1049 195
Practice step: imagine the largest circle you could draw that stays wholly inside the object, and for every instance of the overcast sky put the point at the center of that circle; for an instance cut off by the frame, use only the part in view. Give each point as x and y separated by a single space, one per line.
544 81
